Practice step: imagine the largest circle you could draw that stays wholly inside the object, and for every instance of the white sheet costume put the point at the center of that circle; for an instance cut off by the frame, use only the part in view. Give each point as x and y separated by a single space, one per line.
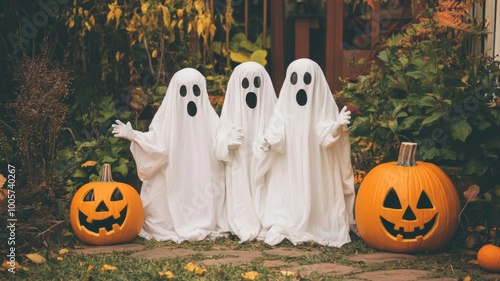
304 163
248 105
183 183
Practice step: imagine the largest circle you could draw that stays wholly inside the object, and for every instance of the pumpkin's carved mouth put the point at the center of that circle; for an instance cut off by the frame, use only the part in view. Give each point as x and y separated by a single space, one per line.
389 226
107 223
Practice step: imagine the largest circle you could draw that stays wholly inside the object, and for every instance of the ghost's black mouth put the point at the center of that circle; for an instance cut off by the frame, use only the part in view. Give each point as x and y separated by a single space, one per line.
408 235
191 108
251 100
301 97
107 223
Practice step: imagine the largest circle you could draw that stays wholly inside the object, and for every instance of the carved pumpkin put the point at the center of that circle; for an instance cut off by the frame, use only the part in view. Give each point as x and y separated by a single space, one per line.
488 258
106 212
407 206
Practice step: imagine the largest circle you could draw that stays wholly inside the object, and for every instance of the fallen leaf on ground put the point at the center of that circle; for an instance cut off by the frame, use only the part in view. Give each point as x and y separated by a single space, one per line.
289 273
250 275
63 251
193 268
167 274
60 258
89 268
6 265
36 258
108 267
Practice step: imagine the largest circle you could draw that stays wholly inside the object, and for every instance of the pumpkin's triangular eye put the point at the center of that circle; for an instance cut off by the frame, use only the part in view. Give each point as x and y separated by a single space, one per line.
117 195
424 202
392 200
89 196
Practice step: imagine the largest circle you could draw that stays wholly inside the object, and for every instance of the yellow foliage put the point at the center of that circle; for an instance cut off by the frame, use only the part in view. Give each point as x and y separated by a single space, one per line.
108 267
36 258
166 274
193 268
6 265
2 180
114 13
250 275
89 163
144 7
63 251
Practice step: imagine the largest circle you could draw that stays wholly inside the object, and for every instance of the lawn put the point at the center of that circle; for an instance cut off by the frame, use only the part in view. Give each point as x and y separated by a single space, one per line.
452 262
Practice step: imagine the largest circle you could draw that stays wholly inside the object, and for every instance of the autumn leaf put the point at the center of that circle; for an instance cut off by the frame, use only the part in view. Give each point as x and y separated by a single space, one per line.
180 12
90 267
288 273
472 192
2 180
63 251
36 258
107 267
370 3
167 274
193 268
145 7
6 265
3 194
89 164
60 258
250 275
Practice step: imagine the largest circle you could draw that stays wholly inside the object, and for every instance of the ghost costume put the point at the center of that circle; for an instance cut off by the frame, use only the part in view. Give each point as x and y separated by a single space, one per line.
304 167
248 105
183 183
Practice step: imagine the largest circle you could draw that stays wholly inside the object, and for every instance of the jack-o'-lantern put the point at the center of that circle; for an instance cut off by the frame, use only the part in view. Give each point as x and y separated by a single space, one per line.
407 206
106 212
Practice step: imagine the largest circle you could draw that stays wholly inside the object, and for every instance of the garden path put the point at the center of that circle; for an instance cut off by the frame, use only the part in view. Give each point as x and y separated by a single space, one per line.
273 258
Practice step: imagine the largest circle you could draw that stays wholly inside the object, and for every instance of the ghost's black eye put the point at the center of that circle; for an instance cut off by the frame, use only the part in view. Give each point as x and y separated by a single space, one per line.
307 78
256 81
183 90
89 197
245 83
117 195
293 78
196 90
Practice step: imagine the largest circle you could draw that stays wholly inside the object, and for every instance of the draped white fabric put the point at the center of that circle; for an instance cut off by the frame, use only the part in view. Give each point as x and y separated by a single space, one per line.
183 183
248 105
305 179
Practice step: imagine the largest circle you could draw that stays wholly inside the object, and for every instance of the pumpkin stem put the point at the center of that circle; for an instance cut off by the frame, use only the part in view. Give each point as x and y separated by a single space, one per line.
106 173
407 153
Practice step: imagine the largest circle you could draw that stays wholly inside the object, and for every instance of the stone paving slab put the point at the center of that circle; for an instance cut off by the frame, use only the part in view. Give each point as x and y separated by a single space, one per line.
168 252
380 257
279 263
91 250
290 252
493 276
395 275
329 268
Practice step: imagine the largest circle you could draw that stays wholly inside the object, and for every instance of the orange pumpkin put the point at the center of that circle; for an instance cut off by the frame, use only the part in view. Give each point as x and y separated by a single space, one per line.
488 258
407 206
106 212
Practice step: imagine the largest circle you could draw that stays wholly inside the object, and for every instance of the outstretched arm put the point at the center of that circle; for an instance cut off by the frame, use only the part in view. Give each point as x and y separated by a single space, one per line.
121 130
227 139
329 130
